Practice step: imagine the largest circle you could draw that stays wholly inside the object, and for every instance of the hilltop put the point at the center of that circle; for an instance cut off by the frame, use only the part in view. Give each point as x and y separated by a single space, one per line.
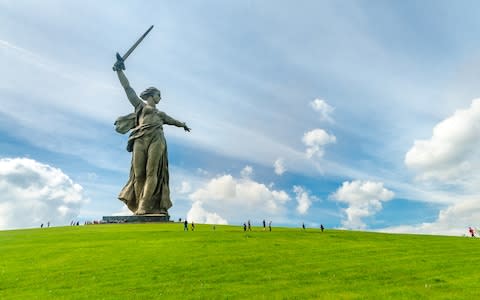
153 261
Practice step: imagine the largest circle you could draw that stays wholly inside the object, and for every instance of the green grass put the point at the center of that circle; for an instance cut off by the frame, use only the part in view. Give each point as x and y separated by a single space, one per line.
160 261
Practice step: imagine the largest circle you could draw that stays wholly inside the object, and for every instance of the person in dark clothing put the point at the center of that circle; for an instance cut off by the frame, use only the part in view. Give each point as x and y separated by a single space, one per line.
244 227
321 227
185 226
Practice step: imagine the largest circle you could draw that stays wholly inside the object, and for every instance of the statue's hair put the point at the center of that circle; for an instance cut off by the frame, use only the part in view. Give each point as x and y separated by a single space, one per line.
149 92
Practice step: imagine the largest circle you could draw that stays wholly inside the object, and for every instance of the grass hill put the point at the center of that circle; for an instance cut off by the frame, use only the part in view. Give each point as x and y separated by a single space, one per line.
157 261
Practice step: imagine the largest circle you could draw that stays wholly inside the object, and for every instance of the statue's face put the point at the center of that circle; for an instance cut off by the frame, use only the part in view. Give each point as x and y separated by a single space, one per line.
157 97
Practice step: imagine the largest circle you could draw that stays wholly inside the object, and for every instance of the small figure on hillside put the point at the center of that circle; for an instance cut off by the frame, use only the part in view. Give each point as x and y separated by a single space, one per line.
321 227
249 226
193 226
41 225
48 224
472 231
270 225
244 227
303 226
264 225
185 225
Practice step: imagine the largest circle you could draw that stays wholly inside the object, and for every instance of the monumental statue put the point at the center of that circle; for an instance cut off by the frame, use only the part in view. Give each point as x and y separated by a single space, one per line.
147 190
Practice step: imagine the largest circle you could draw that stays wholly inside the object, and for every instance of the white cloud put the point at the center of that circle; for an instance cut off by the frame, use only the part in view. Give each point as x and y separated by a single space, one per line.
323 108
316 140
246 172
452 154
184 188
202 172
364 199
279 166
35 193
304 200
454 220
123 212
238 199
198 214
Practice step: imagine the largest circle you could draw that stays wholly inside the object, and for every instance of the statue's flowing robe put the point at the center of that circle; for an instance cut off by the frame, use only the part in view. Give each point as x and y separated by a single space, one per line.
161 197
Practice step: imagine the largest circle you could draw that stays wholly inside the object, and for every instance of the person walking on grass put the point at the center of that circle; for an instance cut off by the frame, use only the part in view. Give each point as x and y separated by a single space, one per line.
193 226
264 225
185 225
472 231
321 227
303 226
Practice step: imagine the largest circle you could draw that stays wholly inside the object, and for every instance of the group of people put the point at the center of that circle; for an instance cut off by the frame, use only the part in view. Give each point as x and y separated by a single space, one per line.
185 225
48 224
321 227
248 226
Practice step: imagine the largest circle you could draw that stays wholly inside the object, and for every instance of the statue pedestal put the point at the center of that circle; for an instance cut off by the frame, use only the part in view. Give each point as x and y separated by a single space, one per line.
137 219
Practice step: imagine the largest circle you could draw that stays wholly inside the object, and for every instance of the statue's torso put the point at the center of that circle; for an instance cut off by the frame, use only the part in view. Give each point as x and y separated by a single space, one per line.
150 116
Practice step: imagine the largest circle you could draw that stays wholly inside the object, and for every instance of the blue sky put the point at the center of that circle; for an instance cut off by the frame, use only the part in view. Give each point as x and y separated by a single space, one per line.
357 115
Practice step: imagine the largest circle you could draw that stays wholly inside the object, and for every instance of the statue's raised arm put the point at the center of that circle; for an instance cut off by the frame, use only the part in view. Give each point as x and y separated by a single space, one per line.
119 66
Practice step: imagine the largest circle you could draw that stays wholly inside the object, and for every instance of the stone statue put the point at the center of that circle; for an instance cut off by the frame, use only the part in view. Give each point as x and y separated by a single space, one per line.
147 190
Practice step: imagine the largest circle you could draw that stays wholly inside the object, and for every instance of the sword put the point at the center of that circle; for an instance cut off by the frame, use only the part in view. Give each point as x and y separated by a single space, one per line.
127 54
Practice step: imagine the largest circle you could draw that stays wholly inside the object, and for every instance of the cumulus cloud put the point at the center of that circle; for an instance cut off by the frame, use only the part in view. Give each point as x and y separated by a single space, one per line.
323 108
198 214
364 199
304 200
453 220
452 154
237 199
316 140
35 193
279 166
184 188
246 172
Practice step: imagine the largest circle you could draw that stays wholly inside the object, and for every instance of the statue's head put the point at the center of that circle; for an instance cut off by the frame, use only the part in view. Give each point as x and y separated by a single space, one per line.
151 92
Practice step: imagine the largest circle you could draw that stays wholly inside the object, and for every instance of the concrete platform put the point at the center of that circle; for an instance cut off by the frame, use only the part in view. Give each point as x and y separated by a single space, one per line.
137 219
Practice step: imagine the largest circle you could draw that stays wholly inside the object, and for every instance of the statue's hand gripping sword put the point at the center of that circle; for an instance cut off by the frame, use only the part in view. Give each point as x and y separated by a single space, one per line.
120 59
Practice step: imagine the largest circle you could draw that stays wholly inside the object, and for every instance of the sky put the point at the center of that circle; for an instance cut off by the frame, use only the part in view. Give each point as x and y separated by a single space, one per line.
361 115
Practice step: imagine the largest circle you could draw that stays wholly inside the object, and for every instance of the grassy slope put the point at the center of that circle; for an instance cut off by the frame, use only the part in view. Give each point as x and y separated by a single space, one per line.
148 261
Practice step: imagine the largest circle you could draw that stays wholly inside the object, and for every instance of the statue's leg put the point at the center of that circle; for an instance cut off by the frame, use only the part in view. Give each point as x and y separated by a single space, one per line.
139 165
155 151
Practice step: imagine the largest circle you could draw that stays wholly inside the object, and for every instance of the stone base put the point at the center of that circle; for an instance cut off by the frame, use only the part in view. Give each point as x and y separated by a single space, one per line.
137 219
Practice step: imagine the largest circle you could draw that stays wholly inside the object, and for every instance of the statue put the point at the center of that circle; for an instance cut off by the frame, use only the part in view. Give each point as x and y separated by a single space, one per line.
147 190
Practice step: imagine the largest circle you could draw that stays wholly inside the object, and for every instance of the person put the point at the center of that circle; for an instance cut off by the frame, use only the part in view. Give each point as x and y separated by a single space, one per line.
321 227
244 227
270 225
264 225
147 190
249 226
303 226
472 231
185 225
193 226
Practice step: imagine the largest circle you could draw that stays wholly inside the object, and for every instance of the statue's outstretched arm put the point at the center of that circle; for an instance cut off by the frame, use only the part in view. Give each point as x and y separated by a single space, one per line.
171 121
